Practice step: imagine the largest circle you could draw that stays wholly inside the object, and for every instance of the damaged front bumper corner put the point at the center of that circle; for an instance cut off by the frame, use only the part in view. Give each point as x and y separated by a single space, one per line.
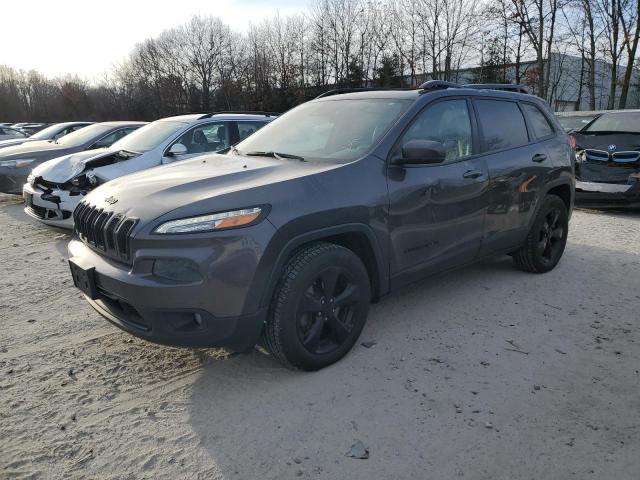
53 208
601 184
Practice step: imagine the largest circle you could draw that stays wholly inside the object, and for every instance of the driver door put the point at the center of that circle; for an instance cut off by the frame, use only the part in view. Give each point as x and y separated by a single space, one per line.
203 139
437 211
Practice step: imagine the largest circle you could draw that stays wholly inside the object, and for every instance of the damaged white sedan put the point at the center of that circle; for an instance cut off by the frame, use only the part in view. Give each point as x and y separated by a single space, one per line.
54 188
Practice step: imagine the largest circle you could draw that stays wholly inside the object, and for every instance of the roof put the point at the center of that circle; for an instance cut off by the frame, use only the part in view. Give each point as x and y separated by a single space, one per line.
477 90
121 124
372 93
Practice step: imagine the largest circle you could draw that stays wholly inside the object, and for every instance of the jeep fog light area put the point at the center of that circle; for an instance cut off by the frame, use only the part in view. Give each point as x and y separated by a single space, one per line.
287 238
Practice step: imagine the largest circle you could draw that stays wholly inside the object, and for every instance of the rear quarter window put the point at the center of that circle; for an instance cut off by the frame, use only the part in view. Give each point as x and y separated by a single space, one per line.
502 124
541 126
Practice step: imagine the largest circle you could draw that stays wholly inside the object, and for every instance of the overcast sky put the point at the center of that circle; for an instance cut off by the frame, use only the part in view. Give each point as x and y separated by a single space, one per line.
88 37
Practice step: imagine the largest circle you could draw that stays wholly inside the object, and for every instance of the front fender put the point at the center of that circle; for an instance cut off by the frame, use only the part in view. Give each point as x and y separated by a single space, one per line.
284 243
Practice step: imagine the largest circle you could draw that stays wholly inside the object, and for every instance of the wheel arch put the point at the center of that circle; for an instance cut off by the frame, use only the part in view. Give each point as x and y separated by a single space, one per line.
358 238
561 187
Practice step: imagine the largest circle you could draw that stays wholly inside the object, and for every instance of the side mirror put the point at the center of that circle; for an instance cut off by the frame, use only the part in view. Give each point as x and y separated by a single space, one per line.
421 152
177 149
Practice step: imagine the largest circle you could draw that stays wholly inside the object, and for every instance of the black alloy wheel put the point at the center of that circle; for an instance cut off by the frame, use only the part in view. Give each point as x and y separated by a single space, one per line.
547 238
319 307
326 312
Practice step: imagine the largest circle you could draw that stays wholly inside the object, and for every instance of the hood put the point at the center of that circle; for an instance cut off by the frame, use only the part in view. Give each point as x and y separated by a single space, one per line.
16 141
154 192
622 141
37 149
64 168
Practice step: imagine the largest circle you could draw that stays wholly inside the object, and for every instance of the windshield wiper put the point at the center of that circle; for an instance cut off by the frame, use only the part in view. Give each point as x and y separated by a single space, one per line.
277 155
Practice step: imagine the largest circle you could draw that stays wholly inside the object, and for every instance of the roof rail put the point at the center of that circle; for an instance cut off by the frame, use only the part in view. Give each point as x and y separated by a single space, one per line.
442 84
510 87
437 85
242 112
211 114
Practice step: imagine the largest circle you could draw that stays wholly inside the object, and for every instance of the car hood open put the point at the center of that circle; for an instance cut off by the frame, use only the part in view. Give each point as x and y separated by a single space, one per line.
151 193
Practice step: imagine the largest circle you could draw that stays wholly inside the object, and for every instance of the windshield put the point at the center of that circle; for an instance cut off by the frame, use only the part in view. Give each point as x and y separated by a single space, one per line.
148 137
627 122
575 122
84 135
333 129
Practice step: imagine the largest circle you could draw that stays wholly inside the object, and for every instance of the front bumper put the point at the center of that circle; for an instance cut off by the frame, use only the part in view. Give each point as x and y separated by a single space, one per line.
168 313
50 213
607 195
12 179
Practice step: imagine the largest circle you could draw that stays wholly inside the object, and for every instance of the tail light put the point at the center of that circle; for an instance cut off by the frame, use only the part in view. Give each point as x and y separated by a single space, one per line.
572 141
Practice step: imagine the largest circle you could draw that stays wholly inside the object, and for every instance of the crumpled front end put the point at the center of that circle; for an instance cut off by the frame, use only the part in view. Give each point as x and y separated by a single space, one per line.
605 179
55 188
50 204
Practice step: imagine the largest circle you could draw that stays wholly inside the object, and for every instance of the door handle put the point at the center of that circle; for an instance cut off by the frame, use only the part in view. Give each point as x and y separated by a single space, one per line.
539 158
472 174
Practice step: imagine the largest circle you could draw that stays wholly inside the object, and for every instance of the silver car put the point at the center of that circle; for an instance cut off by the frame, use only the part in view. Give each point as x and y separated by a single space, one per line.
54 188
10 133
52 132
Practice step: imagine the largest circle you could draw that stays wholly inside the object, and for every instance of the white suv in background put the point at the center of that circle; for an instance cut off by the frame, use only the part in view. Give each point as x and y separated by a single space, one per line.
55 188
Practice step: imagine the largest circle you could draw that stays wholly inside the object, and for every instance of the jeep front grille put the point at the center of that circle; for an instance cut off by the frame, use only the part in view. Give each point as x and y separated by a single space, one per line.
104 230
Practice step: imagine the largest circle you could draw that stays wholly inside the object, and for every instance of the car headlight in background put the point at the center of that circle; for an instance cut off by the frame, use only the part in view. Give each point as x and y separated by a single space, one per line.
208 223
31 179
17 163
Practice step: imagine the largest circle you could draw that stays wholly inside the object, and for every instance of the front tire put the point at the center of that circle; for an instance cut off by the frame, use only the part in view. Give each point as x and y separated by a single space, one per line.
547 238
319 307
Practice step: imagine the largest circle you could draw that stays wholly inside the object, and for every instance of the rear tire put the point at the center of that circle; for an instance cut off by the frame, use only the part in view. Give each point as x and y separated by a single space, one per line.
318 308
547 239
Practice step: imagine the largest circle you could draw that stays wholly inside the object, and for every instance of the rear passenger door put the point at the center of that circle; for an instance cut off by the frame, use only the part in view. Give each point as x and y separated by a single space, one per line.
517 165
547 133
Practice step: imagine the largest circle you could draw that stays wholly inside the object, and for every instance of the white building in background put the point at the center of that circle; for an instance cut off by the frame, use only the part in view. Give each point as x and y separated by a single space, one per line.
564 92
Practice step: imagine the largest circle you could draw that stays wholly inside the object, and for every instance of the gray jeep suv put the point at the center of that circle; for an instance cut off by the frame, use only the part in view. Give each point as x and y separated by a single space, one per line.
287 238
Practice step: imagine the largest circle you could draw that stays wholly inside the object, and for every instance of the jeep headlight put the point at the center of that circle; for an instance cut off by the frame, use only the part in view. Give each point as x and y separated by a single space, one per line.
23 162
31 179
214 221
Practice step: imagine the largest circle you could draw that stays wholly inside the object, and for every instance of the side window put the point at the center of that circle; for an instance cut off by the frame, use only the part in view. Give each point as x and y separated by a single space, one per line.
502 124
206 138
541 126
248 128
447 122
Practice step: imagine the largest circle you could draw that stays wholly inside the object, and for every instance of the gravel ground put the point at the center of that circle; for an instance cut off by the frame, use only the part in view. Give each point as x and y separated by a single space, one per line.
484 373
